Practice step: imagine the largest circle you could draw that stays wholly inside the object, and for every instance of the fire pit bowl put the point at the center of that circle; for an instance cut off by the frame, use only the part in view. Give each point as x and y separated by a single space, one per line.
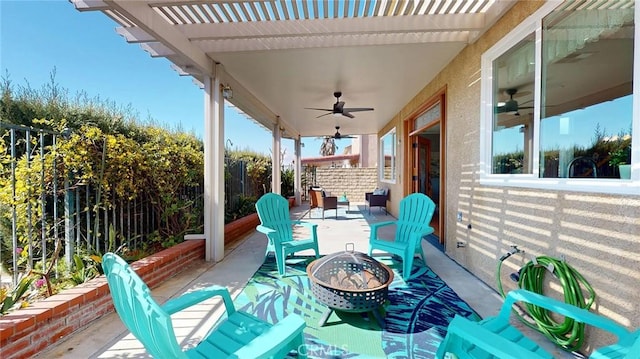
350 281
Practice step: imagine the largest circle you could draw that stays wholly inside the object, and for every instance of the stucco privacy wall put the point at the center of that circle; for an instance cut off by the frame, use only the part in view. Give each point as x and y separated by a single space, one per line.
598 234
355 182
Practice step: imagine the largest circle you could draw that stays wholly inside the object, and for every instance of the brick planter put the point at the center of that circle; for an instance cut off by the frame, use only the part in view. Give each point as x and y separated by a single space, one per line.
237 229
26 332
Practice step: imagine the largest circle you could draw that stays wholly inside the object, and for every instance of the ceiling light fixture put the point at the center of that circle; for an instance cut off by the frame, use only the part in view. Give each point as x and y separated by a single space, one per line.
227 92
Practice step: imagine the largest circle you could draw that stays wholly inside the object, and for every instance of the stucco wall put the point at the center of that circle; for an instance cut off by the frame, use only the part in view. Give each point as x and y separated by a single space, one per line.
598 234
369 151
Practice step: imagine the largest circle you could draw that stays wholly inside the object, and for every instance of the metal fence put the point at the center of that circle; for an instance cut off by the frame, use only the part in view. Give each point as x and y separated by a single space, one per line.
239 187
58 211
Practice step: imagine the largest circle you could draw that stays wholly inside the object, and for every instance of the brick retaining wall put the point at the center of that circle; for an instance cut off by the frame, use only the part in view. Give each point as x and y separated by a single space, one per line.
26 332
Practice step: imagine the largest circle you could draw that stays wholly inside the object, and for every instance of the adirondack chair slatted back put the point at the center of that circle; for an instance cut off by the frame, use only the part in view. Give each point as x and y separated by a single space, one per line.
138 310
276 224
273 211
416 211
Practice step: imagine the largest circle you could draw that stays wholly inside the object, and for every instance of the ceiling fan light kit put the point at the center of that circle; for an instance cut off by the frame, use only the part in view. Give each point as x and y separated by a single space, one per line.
338 135
510 106
339 109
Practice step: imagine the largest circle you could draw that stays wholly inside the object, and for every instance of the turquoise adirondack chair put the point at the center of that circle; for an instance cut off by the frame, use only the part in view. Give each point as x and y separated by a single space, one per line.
413 221
276 224
239 335
495 337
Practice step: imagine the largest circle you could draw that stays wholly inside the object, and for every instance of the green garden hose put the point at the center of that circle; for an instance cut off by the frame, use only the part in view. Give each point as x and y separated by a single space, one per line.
569 334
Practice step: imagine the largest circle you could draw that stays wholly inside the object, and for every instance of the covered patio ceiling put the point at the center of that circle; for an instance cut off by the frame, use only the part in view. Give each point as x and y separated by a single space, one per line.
280 57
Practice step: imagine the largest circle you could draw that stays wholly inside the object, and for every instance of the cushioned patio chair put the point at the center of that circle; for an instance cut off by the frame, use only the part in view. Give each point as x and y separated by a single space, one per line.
495 337
239 335
320 200
377 198
276 224
413 221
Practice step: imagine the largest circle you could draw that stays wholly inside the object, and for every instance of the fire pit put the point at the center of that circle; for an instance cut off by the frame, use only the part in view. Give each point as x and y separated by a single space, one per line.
350 281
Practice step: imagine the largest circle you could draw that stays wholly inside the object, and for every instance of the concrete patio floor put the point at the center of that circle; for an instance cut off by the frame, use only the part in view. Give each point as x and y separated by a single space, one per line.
108 338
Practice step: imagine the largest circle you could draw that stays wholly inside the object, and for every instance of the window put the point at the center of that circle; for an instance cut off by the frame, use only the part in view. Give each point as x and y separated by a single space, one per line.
513 104
559 100
388 157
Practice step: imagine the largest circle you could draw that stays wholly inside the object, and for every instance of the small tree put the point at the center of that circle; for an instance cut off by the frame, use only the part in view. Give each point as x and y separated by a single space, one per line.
328 147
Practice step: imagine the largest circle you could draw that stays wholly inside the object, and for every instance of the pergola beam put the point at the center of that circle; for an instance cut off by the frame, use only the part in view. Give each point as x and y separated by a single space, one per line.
89 5
134 35
341 26
282 43
140 13
253 107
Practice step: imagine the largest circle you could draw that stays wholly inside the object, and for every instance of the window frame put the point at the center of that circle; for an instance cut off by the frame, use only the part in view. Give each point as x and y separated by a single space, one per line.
394 155
533 25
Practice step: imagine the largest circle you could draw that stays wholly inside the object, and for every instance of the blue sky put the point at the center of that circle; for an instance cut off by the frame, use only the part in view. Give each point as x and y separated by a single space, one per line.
37 37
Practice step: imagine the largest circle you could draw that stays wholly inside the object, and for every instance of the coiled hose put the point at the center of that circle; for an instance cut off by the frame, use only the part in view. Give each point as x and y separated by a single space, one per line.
569 333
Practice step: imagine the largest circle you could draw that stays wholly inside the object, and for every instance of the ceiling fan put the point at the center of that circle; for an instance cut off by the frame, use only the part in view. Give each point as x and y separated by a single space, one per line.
339 109
511 106
338 135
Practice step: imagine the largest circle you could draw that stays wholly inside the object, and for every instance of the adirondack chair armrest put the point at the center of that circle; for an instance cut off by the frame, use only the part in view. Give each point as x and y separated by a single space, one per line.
634 341
418 234
375 226
427 231
470 332
187 300
415 237
266 230
269 344
568 310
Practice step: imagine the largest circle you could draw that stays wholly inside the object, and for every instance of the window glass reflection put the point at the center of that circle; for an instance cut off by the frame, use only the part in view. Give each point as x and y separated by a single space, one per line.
586 95
514 75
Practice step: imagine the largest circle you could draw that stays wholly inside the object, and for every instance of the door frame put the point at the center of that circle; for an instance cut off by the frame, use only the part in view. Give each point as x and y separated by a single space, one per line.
409 131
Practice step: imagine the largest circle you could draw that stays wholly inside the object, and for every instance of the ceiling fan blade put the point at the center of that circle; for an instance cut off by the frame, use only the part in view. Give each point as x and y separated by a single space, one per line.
347 114
341 137
356 109
319 109
326 114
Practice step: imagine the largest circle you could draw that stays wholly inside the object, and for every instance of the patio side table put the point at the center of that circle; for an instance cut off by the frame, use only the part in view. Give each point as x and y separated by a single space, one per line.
344 201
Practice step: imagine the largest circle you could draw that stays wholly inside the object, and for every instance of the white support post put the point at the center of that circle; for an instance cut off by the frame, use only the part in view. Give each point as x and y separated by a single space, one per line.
297 172
276 168
213 170
218 185
208 168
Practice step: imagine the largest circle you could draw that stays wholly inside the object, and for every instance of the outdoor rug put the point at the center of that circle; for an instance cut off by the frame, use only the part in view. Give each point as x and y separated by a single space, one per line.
416 316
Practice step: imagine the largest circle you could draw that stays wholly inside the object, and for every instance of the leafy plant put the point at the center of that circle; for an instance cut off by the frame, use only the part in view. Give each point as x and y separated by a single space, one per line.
10 299
618 157
85 268
288 178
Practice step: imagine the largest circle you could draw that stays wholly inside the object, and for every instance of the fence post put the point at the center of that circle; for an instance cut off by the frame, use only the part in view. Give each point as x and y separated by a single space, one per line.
28 183
68 222
14 222
43 218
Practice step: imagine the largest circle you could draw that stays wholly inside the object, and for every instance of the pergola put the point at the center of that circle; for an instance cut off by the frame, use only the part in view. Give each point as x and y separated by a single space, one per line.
280 57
